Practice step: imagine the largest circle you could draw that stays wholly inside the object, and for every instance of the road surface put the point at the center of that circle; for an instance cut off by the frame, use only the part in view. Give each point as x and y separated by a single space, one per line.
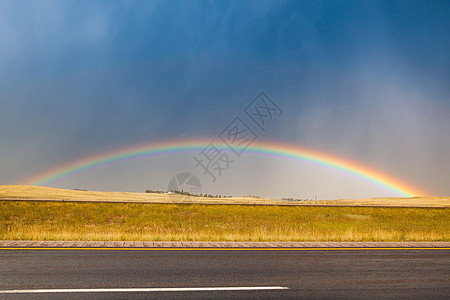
260 274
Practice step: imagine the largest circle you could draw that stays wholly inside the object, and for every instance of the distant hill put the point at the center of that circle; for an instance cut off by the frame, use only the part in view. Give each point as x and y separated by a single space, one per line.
26 192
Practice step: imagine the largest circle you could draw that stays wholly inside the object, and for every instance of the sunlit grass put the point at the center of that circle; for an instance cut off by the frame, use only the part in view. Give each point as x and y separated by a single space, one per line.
26 192
30 220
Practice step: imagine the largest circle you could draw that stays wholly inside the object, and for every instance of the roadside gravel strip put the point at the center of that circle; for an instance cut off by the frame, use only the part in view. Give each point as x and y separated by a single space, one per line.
162 244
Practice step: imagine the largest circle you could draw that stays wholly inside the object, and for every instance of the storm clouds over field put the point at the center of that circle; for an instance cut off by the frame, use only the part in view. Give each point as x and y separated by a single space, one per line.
367 81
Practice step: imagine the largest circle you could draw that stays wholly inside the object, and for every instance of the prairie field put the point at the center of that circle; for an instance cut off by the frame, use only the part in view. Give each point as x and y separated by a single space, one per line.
25 192
42 213
38 220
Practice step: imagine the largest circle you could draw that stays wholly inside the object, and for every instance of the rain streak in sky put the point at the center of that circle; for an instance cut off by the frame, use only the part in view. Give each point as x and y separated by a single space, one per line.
365 81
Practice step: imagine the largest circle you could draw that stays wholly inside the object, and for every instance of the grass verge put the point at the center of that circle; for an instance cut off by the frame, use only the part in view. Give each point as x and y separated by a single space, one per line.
31 220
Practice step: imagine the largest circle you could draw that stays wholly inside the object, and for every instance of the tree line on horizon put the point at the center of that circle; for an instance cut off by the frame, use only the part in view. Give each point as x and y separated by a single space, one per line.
182 192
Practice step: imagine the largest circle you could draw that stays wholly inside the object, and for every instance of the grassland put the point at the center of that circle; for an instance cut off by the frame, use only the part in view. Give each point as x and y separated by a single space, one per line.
23 192
33 220
26 192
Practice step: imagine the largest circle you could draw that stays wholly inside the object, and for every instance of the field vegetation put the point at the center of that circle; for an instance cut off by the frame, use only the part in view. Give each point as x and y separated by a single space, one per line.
24 192
37 220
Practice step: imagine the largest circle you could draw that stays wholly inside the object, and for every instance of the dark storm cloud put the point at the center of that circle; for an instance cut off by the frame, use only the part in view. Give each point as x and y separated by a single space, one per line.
367 80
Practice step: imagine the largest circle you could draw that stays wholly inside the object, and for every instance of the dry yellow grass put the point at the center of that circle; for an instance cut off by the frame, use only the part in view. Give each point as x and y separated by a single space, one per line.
26 192
23 192
395 201
33 220
93 220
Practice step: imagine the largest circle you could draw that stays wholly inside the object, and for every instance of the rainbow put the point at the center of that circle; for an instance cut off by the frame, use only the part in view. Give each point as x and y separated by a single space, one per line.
272 149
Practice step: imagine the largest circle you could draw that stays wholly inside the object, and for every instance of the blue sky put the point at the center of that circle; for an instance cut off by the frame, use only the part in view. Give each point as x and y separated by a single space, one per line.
367 80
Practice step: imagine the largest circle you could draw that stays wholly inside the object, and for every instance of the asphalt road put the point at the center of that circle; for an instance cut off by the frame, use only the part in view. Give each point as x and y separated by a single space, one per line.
358 274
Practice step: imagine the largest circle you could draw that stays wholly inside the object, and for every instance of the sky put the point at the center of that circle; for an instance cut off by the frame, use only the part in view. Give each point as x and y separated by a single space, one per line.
367 81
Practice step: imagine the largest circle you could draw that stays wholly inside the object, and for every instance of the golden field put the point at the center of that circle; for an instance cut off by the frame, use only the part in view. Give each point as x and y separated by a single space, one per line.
152 216
23 192
35 220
